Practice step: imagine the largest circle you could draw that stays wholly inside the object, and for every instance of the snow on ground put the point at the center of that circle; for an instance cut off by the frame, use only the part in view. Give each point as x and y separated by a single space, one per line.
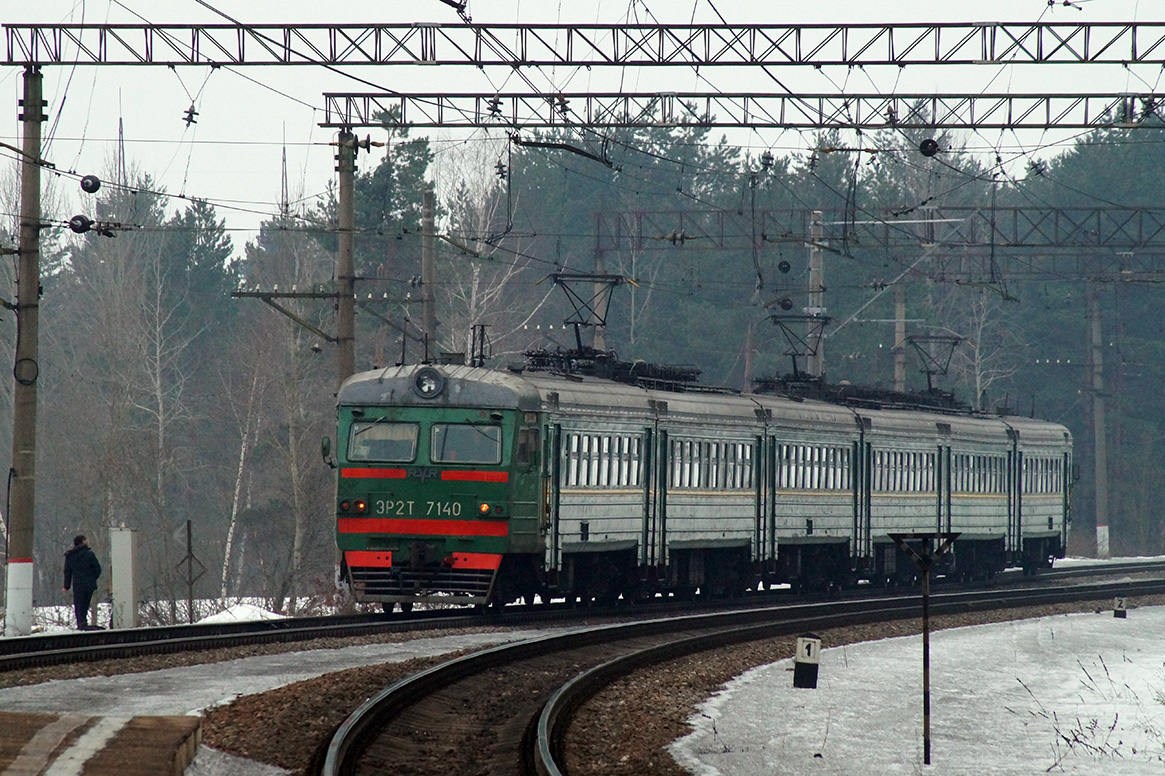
241 613
1072 694
1078 562
191 689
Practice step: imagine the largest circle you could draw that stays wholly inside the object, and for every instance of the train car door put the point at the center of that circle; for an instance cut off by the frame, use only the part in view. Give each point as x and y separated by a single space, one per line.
1066 489
1014 492
554 458
765 517
942 478
647 549
861 476
662 470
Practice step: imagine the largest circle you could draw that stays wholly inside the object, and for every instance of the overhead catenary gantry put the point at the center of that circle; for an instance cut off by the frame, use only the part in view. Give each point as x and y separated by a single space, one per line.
1110 243
521 45
527 110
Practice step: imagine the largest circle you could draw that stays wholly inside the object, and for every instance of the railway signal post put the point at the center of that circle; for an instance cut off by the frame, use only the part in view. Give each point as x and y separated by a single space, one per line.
925 556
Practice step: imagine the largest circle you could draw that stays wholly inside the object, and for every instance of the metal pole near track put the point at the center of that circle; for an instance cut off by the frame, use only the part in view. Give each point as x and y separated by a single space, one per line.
925 559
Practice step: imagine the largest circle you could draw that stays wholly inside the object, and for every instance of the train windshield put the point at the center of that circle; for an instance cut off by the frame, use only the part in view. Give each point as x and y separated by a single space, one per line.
380 440
465 443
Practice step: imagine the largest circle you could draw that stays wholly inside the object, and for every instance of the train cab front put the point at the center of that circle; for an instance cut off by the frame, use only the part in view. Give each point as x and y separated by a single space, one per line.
423 496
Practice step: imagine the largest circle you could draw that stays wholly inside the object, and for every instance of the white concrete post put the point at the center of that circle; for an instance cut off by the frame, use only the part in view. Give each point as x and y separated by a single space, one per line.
123 548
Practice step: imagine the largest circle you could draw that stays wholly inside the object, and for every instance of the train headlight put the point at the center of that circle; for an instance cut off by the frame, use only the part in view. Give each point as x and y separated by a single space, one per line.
428 383
345 506
483 509
359 506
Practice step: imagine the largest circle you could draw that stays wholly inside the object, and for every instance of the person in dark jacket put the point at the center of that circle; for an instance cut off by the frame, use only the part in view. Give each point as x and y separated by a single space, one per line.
81 572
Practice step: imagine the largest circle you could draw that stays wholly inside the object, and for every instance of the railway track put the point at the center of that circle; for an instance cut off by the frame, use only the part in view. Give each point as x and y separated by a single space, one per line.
75 647
506 710
60 649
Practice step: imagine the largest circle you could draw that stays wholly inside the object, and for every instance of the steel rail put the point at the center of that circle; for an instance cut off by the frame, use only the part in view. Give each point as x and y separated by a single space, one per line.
355 733
87 646
559 709
361 727
76 647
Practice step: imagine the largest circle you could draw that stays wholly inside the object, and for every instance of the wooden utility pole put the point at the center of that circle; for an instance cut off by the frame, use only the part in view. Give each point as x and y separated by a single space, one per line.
599 342
816 309
900 336
18 620
1099 432
429 269
345 266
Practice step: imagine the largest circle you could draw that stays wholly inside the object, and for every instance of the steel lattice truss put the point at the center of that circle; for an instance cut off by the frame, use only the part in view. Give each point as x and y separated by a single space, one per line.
808 111
966 43
967 243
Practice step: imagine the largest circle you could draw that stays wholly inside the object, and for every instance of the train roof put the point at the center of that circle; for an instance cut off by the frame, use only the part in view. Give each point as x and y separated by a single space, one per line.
463 386
587 395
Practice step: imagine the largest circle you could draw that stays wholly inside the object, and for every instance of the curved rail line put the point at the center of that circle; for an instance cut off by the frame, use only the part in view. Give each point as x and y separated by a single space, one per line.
612 651
557 714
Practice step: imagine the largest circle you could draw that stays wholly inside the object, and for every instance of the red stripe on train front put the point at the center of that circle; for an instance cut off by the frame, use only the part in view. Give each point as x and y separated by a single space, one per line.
378 525
458 560
367 558
384 474
474 476
475 560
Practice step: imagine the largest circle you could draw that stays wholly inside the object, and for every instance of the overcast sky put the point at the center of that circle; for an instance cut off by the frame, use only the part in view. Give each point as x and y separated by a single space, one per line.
232 155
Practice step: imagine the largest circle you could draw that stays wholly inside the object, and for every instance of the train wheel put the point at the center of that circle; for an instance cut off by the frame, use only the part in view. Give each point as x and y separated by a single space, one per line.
387 607
406 606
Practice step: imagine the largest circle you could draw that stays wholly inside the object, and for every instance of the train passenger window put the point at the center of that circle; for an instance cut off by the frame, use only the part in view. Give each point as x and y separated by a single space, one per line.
572 463
466 443
635 463
605 462
586 457
596 459
380 440
619 475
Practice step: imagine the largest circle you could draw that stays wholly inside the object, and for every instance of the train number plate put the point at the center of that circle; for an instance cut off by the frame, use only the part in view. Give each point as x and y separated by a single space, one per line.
410 508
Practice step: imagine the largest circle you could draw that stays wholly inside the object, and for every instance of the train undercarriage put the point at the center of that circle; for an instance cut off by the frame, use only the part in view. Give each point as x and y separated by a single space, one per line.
604 577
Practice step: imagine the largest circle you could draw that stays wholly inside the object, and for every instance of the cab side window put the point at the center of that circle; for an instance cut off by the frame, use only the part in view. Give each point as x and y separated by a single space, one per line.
527 446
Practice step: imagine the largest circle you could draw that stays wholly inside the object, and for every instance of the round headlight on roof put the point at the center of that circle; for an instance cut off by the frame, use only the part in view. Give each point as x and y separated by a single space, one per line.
428 383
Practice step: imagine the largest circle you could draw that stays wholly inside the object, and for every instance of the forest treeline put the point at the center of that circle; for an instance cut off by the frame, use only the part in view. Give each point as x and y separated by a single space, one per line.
165 399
